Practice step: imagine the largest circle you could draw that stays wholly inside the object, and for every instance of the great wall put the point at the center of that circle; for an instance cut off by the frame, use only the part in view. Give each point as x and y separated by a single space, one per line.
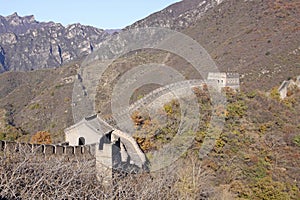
47 149
109 146
171 88
152 96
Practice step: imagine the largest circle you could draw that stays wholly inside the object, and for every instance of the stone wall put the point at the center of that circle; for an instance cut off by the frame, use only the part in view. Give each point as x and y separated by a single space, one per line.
47 150
149 98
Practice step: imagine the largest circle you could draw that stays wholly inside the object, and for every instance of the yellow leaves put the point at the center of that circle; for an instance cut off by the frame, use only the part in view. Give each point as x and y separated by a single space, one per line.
140 119
220 143
236 110
144 143
35 106
168 109
41 137
172 107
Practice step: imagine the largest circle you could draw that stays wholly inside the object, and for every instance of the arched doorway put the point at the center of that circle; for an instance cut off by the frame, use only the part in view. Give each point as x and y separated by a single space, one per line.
81 141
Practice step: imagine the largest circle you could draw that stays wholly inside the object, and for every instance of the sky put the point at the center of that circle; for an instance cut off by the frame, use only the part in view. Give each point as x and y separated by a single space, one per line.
105 14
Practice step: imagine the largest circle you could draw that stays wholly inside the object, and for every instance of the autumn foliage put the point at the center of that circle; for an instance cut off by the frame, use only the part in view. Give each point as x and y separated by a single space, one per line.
41 137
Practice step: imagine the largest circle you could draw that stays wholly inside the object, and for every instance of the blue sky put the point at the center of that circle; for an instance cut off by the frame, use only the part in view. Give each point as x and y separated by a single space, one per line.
106 14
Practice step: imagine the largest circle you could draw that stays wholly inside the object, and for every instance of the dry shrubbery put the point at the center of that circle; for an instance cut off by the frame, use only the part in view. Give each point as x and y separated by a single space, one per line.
255 157
31 176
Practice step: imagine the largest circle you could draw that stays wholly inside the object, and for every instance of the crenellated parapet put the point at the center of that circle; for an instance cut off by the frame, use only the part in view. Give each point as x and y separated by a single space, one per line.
47 149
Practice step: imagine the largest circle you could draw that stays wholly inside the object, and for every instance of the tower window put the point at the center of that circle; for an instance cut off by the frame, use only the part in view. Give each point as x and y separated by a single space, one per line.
81 141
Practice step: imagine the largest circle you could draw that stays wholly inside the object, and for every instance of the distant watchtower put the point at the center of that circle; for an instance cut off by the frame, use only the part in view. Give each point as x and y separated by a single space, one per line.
223 79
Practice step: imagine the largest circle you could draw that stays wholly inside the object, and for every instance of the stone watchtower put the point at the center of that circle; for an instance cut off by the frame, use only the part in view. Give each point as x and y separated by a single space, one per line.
223 79
112 148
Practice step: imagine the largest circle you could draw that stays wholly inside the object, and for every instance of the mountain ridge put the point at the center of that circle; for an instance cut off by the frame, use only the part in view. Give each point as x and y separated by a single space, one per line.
177 16
26 44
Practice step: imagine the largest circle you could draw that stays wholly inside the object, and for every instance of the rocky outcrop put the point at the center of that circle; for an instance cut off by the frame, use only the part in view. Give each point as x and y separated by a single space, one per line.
2 60
16 24
26 44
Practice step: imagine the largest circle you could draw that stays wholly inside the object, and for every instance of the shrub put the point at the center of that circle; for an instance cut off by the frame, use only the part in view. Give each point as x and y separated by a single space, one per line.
137 118
168 108
172 108
296 140
268 189
41 137
251 95
236 109
275 94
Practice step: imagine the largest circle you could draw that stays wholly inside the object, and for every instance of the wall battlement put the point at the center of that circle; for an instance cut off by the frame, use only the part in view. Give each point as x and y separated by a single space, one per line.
47 150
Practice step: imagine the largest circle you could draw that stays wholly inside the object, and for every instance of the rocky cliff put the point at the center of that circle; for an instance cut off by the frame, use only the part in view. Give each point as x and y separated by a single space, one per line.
26 44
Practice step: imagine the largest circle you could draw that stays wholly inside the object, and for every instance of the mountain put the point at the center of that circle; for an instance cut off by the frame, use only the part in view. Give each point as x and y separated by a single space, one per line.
26 44
257 153
18 25
177 16
258 39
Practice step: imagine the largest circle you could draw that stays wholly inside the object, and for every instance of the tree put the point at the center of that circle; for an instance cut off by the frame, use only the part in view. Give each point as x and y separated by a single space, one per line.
41 137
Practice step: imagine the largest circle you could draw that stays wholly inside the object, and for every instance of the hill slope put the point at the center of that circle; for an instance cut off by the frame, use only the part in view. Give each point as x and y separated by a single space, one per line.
38 100
177 16
258 39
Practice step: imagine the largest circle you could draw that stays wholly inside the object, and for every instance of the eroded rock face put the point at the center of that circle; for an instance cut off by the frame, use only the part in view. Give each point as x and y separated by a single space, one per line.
26 44
17 24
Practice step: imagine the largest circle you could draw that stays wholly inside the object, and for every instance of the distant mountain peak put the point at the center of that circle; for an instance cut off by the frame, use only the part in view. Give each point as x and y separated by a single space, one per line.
26 19
15 14
43 44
